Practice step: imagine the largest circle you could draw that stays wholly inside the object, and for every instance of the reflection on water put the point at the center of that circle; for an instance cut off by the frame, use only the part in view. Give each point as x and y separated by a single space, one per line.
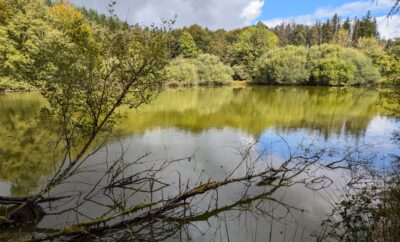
252 110
213 123
25 154
344 113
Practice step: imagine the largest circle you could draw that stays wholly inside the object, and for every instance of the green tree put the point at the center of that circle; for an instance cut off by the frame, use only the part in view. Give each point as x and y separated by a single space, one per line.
20 37
368 26
387 65
187 46
253 42
201 37
326 32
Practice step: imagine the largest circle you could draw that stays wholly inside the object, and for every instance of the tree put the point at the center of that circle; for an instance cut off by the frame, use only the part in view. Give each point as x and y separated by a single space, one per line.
356 31
342 38
5 10
335 23
368 26
86 73
326 32
253 42
347 24
201 37
20 38
299 35
187 46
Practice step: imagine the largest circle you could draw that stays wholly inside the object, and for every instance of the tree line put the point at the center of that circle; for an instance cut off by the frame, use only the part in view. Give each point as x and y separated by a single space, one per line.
203 56
267 55
345 33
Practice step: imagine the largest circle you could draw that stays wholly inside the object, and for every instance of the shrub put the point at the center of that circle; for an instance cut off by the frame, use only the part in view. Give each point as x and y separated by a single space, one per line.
182 71
365 72
387 65
212 70
335 65
332 71
286 65
205 69
319 65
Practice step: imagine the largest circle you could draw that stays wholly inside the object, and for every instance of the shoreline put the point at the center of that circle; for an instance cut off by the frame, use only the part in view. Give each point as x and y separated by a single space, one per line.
241 84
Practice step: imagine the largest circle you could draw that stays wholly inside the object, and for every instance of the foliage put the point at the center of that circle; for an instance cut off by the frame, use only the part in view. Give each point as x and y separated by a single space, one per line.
320 65
342 38
102 19
212 70
19 37
85 72
205 69
252 43
187 46
365 71
334 65
387 64
182 71
286 65
369 215
29 29
202 37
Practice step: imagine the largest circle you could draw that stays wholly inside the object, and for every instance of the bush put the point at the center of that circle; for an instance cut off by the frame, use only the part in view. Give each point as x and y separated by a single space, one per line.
387 65
335 65
331 71
206 69
212 70
182 71
286 65
320 65
364 68
8 84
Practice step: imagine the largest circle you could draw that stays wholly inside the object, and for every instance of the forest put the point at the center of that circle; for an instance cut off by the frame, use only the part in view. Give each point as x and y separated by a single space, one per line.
333 52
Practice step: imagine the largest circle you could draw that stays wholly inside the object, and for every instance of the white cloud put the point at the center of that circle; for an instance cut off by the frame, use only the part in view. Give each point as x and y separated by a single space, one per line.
354 8
388 28
252 11
213 14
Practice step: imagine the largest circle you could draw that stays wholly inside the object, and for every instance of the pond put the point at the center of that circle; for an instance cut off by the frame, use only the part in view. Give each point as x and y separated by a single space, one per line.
213 126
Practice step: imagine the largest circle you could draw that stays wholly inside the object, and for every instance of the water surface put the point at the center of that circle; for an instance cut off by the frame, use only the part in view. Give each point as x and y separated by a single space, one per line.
213 124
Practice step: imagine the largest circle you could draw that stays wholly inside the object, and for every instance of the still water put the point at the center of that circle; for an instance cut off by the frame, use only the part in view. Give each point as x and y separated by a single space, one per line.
214 124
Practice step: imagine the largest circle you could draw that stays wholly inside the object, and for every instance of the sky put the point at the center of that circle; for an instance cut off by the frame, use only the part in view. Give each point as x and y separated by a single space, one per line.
230 14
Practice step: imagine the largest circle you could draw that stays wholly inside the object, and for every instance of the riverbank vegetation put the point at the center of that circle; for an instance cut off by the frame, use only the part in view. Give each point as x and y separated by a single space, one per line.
333 52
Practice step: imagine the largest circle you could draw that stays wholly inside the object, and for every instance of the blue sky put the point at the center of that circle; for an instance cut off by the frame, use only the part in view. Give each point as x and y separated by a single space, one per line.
288 8
307 12
273 9
230 14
